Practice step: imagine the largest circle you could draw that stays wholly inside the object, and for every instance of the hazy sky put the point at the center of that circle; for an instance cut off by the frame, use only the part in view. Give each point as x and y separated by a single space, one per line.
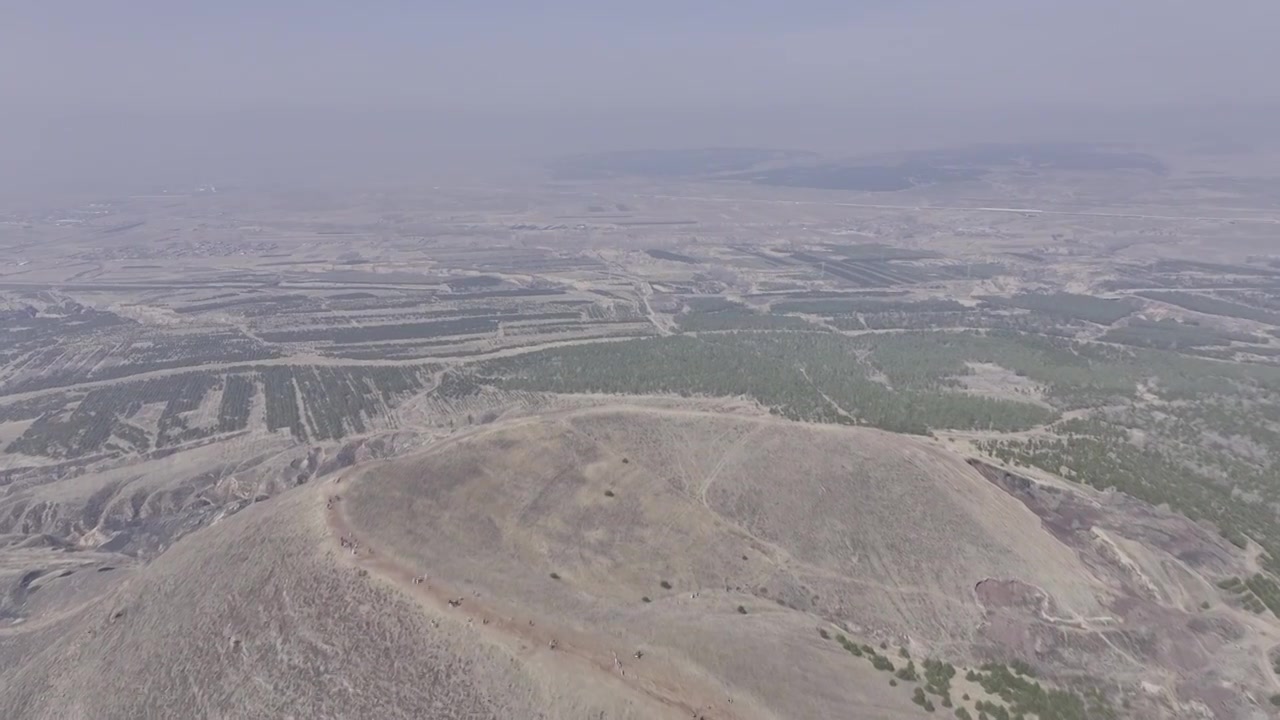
284 74
533 54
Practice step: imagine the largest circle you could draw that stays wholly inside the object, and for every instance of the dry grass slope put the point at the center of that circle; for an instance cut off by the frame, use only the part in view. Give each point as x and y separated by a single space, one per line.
573 519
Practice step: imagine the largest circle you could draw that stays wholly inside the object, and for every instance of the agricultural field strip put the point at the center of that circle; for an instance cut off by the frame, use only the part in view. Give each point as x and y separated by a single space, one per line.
1213 306
320 402
7 400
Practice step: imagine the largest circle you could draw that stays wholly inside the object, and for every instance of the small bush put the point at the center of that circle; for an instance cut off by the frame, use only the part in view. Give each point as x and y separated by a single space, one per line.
822 633
1275 699
608 493
646 599
882 663
742 610
893 683
555 576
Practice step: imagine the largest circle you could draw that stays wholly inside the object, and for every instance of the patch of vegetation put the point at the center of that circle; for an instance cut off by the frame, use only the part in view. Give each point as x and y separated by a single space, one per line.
665 585
456 385
1100 454
938 675
272 302
803 376
882 663
1213 306
716 314
1170 334
1025 696
1069 305
878 251
237 398
102 413
67 358
852 647
1266 590
845 306
473 282
659 254
346 335
33 407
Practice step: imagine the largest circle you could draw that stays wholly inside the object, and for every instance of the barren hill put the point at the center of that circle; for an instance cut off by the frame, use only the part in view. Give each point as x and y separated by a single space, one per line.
635 562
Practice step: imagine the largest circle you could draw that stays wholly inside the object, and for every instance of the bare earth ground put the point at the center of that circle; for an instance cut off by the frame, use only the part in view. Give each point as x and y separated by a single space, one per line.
538 539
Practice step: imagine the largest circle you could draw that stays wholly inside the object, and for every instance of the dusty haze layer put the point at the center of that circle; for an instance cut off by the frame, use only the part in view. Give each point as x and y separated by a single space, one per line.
320 93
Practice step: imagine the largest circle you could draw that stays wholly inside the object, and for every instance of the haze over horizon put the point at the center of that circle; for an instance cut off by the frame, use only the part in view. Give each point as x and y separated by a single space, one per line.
154 91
